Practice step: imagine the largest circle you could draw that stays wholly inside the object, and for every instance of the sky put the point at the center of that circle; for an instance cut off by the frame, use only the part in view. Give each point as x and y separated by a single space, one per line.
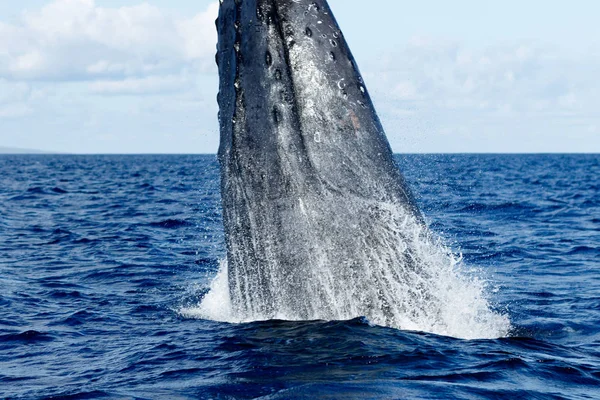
128 76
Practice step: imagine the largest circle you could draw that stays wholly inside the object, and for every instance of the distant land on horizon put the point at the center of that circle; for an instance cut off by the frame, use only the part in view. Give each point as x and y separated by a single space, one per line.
15 150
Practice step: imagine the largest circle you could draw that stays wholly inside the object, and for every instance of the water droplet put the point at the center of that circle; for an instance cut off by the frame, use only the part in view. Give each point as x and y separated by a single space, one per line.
236 24
278 74
308 32
332 56
276 115
236 47
361 88
237 84
317 137
269 59
333 43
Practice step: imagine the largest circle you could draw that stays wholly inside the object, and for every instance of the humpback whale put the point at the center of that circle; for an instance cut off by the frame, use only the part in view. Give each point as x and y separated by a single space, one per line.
319 221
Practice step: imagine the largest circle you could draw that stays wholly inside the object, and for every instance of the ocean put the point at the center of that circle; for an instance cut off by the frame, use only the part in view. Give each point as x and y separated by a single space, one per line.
101 255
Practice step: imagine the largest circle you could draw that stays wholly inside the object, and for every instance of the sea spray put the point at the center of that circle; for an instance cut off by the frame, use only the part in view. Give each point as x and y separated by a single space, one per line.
406 279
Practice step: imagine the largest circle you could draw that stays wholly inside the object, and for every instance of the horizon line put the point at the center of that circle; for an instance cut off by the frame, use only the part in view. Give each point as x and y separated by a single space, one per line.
25 152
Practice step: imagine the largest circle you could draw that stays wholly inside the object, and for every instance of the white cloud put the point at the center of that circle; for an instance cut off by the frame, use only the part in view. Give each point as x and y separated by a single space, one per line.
13 91
405 90
494 97
78 40
448 76
15 98
52 58
17 110
199 34
135 86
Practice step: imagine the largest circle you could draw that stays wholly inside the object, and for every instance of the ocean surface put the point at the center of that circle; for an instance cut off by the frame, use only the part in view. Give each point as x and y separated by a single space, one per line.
99 255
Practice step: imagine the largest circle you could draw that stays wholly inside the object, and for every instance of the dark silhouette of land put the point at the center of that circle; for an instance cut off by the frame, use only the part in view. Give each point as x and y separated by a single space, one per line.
14 150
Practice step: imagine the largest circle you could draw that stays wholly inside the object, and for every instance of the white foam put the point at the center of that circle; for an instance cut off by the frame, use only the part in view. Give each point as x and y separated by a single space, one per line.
416 281
216 304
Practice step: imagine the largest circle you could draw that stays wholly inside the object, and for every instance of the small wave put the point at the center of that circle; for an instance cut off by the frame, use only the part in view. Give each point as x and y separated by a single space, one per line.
60 236
146 309
545 295
147 283
85 241
461 377
36 190
504 207
510 363
170 224
23 197
148 187
61 294
59 285
167 201
77 318
173 374
587 250
15 379
85 395
30 336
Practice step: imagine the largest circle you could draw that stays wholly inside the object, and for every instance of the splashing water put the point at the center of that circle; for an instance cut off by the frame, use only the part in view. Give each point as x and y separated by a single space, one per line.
408 280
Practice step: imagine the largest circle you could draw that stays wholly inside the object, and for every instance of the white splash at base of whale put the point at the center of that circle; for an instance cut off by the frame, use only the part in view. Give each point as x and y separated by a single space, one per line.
435 292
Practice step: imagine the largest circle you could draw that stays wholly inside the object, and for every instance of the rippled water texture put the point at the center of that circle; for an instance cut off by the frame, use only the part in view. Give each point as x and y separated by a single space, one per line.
99 253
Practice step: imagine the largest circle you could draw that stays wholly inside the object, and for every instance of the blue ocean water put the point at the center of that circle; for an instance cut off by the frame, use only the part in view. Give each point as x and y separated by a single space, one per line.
99 253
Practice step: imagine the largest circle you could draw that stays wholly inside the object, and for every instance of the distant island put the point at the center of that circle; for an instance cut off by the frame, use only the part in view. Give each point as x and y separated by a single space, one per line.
14 150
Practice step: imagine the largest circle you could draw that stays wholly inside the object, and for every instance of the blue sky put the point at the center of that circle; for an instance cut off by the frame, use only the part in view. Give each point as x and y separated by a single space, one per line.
128 76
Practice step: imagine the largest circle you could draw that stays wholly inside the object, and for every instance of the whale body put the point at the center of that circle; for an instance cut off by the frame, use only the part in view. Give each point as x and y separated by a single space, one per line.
317 216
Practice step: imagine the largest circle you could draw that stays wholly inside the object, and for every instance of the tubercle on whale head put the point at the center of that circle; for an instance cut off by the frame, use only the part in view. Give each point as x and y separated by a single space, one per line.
293 21
291 97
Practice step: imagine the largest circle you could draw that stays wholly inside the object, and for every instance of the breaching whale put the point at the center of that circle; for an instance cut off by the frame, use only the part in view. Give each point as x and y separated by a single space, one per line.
319 221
